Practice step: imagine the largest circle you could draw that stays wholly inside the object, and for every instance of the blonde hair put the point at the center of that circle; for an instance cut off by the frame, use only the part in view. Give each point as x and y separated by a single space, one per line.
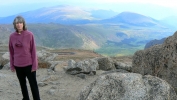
19 19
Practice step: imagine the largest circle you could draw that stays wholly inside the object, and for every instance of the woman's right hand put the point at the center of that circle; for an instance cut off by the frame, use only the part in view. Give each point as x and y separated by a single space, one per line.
13 70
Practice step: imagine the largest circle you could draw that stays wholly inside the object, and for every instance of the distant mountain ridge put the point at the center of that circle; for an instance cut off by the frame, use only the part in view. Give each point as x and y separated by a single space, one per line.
131 18
73 27
154 42
61 14
71 15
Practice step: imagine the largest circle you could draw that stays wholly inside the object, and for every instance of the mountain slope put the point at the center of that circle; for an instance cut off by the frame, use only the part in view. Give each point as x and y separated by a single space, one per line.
104 39
62 36
61 14
68 15
154 42
133 19
73 27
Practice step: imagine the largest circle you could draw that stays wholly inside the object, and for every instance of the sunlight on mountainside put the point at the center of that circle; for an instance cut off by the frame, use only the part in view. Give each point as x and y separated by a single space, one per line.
88 44
109 31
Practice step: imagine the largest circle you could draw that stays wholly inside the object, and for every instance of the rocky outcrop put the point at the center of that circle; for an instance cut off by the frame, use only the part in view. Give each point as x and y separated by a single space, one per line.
159 60
45 56
90 66
44 59
86 66
4 62
105 63
124 66
128 86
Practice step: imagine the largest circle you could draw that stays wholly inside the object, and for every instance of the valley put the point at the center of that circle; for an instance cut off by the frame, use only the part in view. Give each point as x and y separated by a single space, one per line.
103 39
119 35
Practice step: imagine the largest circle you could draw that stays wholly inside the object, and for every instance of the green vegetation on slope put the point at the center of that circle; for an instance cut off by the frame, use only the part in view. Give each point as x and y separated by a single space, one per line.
119 50
111 39
55 36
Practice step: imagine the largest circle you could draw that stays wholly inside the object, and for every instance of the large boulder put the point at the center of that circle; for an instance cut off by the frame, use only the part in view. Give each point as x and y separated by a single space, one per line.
128 86
159 60
44 55
124 66
105 63
44 58
4 59
6 55
87 66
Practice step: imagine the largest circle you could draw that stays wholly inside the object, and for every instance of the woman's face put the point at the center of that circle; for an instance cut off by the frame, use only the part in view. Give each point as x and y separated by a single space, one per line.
19 26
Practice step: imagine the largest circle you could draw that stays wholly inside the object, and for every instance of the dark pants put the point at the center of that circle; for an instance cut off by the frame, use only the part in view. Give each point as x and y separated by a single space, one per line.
22 73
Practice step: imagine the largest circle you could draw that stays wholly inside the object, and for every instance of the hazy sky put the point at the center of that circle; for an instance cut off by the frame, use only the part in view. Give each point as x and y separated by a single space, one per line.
154 8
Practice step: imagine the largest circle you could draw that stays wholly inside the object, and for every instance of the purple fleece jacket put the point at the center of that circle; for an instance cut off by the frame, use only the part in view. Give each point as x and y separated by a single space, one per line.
22 50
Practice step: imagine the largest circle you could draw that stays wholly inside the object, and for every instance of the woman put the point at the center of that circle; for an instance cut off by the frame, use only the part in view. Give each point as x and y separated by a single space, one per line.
23 58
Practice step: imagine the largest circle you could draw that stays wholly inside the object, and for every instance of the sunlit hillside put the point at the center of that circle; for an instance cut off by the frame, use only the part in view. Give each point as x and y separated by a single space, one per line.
113 35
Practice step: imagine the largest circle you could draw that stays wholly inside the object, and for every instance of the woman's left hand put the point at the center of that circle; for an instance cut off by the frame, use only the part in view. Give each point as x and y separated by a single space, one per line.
33 71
